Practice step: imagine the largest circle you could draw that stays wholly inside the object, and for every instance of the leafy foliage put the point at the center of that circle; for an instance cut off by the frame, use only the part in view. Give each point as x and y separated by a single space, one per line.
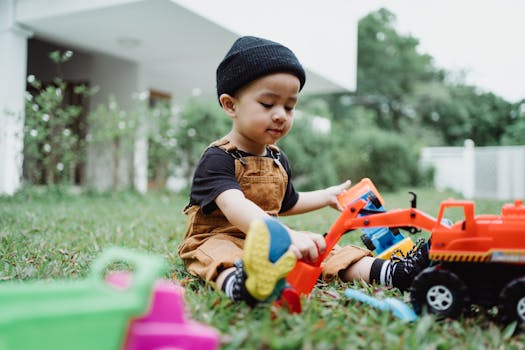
468 113
515 130
199 123
389 160
111 127
162 143
309 147
51 148
408 93
389 69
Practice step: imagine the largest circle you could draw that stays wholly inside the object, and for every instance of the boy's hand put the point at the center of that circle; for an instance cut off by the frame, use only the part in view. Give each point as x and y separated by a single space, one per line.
307 245
334 191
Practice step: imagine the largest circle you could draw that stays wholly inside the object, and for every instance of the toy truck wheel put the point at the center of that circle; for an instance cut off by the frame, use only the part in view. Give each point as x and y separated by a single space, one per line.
441 292
368 243
512 301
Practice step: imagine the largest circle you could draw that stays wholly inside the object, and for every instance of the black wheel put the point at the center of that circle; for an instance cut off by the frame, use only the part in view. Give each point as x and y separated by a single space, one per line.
512 301
440 291
368 242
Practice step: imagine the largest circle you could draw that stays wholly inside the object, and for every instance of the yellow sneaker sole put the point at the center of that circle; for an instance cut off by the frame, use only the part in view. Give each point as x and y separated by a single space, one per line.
262 274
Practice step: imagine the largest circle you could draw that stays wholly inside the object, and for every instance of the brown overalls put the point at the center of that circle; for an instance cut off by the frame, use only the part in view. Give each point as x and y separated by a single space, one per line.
211 244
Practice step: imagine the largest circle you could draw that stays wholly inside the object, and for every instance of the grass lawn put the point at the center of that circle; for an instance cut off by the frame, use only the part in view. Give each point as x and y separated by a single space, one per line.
54 235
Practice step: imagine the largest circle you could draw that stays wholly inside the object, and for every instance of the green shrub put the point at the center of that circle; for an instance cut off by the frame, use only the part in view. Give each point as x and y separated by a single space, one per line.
52 149
307 149
162 144
389 159
199 123
112 127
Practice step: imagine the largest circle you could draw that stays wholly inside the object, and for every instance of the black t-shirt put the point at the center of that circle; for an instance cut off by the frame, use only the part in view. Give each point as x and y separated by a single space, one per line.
215 173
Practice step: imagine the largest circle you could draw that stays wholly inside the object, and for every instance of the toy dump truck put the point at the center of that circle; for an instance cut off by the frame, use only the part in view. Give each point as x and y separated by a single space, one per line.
477 260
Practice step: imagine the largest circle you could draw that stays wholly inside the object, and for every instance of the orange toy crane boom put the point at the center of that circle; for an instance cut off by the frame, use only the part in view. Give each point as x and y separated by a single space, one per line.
304 276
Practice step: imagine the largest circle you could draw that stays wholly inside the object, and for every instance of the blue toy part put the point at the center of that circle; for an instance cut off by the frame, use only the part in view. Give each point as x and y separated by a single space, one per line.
398 308
378 239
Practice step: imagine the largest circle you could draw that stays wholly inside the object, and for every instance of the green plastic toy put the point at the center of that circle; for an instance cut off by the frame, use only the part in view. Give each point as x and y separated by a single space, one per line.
82 315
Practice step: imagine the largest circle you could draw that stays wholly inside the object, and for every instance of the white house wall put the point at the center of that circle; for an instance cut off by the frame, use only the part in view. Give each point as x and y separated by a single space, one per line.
13 49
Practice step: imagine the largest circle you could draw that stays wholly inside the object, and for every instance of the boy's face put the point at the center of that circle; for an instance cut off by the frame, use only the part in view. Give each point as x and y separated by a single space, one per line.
262 111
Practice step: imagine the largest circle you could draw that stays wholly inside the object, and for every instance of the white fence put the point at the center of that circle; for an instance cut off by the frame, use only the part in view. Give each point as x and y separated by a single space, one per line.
479 172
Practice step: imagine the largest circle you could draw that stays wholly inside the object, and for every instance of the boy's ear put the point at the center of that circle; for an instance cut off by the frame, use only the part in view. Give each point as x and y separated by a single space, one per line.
228 104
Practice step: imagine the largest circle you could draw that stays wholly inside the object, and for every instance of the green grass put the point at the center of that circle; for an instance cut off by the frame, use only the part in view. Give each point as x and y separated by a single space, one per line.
56 234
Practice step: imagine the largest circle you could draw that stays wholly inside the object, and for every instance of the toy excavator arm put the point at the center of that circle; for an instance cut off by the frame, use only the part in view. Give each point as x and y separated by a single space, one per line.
304 275
399 218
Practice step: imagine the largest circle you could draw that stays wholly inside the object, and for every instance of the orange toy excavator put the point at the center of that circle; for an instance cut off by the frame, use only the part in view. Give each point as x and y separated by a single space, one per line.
480 259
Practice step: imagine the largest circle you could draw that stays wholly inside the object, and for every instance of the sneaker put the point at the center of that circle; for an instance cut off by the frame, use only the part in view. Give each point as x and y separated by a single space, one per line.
267 258
405 267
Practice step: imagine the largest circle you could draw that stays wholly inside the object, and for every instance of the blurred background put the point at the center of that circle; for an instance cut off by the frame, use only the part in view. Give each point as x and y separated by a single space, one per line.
120 94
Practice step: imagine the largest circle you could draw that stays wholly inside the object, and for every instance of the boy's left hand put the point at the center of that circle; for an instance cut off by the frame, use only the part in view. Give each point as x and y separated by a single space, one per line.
334 191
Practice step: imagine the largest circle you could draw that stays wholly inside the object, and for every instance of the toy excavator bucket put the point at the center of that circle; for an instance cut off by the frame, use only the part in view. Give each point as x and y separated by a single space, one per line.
360 190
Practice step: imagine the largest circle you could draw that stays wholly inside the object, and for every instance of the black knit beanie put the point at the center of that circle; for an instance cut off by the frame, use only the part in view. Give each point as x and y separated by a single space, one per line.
250 58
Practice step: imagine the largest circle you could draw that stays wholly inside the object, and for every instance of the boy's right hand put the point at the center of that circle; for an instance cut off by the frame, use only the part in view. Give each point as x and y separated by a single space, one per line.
307 246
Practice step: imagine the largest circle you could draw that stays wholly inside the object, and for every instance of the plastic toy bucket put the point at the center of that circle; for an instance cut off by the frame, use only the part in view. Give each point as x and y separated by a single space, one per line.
358 191
83 315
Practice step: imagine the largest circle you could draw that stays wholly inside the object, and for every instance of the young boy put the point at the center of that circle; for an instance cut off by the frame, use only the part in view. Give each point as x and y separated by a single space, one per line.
243 182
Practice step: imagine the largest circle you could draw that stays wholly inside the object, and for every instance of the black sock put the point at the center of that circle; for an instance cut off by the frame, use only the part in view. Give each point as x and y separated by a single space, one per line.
401 269
234 285
381 273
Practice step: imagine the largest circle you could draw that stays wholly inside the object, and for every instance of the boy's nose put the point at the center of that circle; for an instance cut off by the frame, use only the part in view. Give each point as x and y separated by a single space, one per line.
279 114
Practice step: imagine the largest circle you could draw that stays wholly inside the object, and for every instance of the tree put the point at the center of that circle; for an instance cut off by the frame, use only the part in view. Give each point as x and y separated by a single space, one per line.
515 130
467 113
390 69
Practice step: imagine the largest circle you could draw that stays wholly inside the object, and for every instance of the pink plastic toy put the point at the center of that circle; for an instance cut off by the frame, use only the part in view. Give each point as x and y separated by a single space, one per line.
165 325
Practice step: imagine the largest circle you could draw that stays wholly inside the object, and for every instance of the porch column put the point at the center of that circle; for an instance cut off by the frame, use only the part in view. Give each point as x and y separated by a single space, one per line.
13 62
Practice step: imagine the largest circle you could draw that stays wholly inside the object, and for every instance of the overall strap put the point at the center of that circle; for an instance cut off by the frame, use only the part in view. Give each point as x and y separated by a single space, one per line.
223 144
228 147
274 152
233 151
